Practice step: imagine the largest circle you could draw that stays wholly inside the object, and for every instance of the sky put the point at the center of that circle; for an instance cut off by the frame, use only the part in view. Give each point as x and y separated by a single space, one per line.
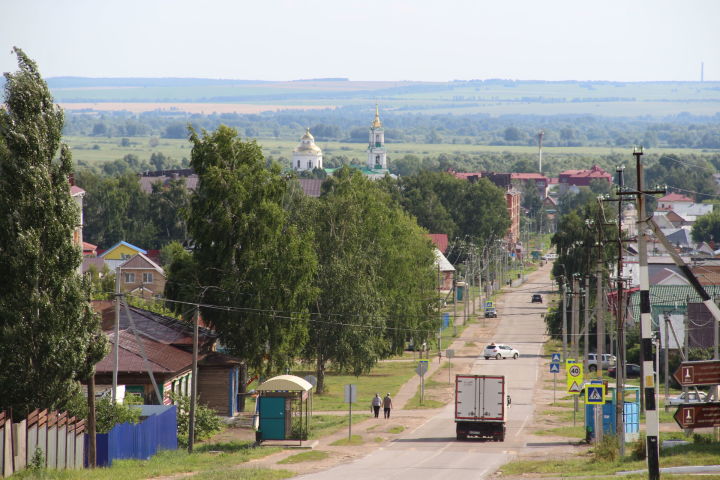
422 40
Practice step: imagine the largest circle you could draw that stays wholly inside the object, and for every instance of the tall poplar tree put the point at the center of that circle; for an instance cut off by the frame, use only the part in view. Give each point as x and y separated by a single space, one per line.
248 255
49 337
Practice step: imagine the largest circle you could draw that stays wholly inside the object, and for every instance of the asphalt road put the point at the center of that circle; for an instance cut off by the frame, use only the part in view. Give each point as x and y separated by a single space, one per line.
431 451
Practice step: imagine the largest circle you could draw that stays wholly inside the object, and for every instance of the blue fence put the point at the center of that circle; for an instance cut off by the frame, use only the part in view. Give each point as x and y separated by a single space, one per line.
141 441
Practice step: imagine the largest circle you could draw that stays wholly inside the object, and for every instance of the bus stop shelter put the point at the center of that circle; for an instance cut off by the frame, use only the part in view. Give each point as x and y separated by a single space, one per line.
282 409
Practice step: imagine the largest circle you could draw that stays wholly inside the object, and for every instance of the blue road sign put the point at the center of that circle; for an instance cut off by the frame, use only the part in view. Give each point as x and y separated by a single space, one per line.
554 368
594 394
555 358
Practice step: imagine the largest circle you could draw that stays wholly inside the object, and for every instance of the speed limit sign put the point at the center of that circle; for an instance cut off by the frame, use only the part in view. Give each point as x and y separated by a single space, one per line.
574 378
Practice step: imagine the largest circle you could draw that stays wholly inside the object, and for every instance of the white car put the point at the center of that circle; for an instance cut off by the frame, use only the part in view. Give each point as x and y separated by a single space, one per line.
500 351
607 361
550 256
687 397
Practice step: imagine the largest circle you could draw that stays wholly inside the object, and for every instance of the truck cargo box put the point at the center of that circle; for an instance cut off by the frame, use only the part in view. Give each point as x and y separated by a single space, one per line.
480 408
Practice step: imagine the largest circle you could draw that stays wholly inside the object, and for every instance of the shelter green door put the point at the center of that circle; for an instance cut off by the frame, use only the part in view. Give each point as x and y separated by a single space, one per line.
272 418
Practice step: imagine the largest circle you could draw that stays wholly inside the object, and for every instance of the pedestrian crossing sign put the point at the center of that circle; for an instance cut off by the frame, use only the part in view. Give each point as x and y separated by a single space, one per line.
555 358
594 394
554 368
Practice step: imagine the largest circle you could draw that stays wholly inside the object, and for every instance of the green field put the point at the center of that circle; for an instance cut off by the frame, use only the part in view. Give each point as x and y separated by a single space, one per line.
109 149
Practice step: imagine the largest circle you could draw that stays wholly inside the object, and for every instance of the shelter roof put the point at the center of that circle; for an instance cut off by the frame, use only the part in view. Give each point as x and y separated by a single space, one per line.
285 383
75 191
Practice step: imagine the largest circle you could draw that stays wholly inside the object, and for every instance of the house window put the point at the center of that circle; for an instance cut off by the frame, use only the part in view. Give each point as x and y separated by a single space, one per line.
298 164
129 277
309 163
147 277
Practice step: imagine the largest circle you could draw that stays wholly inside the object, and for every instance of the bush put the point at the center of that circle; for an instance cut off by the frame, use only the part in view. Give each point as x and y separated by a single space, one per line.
109 414
637 451
207 422
298 431
607 450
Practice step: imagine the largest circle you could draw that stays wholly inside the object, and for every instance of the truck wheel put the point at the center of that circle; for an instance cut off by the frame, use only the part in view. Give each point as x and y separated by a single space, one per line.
461 437
592 368
498 357
487 358
515 357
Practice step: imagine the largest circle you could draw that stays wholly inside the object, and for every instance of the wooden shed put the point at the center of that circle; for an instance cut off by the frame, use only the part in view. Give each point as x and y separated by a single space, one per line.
219 383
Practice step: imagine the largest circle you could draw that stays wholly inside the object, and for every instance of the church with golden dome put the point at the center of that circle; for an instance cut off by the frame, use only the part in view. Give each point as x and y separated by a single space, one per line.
307 155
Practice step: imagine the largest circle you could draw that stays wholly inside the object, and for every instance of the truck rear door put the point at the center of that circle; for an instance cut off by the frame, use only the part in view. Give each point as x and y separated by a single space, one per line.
479 398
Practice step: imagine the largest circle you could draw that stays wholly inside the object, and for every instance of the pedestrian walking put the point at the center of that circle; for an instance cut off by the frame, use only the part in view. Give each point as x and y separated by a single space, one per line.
376 402
387 405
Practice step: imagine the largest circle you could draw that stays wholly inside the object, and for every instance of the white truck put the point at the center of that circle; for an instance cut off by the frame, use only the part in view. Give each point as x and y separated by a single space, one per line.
481 403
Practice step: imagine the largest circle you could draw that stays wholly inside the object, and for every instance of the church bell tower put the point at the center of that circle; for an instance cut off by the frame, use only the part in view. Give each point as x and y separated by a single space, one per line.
376 149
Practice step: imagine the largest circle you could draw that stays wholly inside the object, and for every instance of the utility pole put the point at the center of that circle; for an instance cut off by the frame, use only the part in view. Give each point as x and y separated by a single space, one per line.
116 353
564 317
575 327
599 320
193 391
586 334
646 344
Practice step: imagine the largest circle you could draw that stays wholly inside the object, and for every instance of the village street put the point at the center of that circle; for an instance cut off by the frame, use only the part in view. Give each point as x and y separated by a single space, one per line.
428 448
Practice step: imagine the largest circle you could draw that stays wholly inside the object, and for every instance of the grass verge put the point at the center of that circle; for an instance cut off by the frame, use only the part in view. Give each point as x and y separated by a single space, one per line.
354 440
209 461
323 425
311 456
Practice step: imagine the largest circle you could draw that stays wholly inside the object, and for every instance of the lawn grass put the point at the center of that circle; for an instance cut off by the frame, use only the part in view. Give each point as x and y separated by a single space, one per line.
396 429
428 401
354 440
587 464
206 460
383 378
311 456
323 425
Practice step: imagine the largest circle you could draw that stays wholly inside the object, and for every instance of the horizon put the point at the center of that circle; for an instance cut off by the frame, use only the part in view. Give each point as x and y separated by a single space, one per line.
415 41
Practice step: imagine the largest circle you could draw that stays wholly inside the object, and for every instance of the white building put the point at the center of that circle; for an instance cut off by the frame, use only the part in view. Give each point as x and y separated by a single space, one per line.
307 155
377 157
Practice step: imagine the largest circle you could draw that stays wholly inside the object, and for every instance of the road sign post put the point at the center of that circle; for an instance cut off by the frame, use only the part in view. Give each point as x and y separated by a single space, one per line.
574 372
350 397
421 369
554 369
450 353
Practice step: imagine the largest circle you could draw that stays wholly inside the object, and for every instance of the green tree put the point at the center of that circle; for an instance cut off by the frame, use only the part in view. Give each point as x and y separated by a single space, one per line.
707 227
248 256
168 206
49 336
375 277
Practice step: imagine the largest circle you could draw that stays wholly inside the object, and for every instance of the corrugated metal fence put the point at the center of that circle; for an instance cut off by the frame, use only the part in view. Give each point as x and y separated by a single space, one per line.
158 431
58 436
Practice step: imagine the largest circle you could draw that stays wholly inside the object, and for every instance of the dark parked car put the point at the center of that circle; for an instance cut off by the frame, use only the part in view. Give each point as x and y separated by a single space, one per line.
536 298
632 370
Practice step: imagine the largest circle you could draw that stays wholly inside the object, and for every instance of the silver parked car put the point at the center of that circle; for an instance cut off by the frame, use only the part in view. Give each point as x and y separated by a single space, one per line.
500 351
687 397
607 361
